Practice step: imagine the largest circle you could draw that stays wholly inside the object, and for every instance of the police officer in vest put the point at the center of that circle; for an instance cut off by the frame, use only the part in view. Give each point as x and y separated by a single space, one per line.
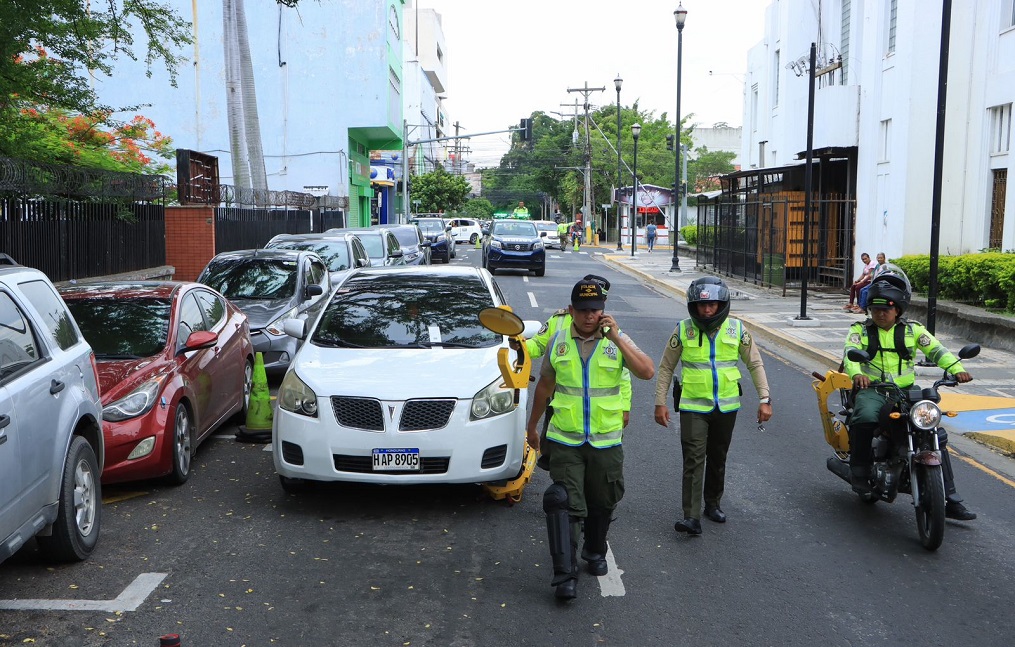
536 346
891 341
708 346
584 370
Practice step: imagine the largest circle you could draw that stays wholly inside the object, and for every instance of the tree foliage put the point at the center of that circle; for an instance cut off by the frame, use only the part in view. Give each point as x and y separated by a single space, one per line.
48 48
479 208
439 190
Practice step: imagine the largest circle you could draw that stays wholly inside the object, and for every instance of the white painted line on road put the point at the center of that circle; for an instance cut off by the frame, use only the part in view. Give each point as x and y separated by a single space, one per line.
525 278
532 300
131 598
610 585
267 448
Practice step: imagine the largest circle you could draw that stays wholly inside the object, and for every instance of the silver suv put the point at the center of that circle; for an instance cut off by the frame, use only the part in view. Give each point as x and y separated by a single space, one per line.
51 446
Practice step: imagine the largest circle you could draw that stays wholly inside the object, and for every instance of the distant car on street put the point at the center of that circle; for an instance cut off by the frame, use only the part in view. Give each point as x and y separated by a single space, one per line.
548 232
51 445
382 245
343 252
438 232
270 286
175 361
415 246
393 386
466 230
514 244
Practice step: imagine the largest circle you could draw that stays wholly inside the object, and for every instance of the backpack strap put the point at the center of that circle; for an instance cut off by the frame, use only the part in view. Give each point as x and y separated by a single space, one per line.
874 343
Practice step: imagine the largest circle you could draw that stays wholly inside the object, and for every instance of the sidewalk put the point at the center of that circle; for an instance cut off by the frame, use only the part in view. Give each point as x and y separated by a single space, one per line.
820 339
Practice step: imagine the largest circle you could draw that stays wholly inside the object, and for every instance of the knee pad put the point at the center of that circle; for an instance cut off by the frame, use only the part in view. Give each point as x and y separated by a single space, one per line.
555 499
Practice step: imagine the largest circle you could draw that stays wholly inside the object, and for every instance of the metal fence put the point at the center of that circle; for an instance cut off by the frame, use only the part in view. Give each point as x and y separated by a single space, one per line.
762 240
237 228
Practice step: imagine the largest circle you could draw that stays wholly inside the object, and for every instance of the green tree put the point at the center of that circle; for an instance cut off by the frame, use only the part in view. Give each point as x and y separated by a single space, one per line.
49 47
704 170
479 208
439 190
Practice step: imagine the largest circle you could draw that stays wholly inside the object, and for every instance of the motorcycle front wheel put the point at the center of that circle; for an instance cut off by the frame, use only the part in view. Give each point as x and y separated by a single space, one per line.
930 510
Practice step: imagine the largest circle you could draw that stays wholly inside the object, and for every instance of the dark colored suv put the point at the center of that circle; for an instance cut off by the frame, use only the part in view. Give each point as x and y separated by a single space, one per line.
514 244
438 232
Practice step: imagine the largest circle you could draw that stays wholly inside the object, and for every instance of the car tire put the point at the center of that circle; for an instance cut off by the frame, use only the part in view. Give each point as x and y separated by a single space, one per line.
293 486
540 272
240 417
182 444
473 238
76 529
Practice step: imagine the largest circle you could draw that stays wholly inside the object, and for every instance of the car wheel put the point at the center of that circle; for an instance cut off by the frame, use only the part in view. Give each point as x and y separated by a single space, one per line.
540 272
240 417
473 238
76 529
293 486
182 447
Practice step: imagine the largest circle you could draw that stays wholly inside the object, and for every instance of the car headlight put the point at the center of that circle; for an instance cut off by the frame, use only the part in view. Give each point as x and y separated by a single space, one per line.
494 400
275 327
925 415
296 397
441 237
495 243
136 403
537 245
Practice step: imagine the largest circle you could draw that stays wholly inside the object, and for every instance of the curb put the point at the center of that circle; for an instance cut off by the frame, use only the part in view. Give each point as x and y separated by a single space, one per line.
998 442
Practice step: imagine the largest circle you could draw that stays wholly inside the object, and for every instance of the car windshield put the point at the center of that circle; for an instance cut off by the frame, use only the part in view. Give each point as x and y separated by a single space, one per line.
547 226
407 310
514 229
252 278
373 242
335 253
118 328
406 237
430 226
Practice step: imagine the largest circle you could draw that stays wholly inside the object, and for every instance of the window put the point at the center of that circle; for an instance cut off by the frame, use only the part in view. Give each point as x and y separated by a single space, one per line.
54 315
1000 129
1008 17
776 70
893 15
191 319
754 108
844 36
17 343
214 308
885 141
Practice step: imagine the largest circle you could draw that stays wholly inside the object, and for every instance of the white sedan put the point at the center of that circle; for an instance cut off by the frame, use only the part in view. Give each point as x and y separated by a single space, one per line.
395 383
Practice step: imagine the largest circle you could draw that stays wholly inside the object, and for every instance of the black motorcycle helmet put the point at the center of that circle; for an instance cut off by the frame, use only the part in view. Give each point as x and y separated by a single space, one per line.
708 288
890 287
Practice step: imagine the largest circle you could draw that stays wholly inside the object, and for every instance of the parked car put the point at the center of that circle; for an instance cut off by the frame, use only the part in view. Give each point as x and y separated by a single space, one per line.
270 286
514 244
175 361
51 444
415 246
465 230
382 246
342 252
548 232
438 232
430 409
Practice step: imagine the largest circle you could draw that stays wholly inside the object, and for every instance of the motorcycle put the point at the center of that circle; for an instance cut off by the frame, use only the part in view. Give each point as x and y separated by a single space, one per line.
907 456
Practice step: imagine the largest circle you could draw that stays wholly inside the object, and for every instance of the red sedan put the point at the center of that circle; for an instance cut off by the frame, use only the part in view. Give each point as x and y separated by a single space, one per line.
175 361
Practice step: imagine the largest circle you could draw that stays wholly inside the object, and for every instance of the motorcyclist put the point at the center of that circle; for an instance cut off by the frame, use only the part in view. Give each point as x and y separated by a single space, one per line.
889 296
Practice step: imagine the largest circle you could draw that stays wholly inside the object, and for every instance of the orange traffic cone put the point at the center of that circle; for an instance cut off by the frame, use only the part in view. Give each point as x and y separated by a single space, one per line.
259 411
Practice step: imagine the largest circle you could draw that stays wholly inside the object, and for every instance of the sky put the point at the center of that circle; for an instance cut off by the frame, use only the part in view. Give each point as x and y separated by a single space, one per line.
508 58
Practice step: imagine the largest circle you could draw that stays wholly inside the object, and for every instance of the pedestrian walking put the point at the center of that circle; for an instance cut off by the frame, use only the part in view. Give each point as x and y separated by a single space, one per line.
650 235
707 396
584 371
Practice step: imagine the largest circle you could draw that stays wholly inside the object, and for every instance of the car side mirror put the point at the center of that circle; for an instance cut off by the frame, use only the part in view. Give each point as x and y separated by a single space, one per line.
542 234
198 340
312 290
426 243
296 328
362 262
397 253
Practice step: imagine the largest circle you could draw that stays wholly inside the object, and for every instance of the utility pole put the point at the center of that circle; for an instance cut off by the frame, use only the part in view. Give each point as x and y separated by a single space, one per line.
458 150
587 209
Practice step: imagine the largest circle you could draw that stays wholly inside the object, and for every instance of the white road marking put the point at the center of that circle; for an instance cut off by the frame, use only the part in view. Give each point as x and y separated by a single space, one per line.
267 448
131 598
610 585
525 278
532 300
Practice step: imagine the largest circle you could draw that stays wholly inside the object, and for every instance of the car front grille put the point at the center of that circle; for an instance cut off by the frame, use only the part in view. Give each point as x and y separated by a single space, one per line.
494 457
418 415
518 247
358 413
365 465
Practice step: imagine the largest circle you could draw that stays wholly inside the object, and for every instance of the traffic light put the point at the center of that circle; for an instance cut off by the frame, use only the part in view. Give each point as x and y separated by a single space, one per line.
669 142
525 132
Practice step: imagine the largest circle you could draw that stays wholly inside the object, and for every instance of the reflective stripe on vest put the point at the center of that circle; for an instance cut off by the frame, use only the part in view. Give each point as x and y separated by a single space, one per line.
587 403
710 376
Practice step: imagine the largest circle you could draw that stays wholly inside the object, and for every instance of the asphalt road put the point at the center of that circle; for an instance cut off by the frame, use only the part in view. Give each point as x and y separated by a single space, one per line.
800 562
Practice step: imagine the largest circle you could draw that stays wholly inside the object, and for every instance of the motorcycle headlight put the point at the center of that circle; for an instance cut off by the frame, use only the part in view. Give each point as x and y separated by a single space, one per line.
136 403
296 397
494 400
925 415
495 243
275 327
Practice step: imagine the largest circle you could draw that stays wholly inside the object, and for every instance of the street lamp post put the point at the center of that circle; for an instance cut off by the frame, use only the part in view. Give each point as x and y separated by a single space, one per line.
617 82
635 132
680 15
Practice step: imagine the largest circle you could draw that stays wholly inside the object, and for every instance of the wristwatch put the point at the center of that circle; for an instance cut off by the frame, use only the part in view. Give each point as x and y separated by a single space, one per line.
765 401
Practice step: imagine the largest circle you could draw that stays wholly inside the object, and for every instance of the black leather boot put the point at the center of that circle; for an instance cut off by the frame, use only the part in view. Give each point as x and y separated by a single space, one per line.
597 525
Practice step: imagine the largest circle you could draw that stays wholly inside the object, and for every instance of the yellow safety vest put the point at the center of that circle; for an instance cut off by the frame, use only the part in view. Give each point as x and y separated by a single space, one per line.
709 372
900 370
588 406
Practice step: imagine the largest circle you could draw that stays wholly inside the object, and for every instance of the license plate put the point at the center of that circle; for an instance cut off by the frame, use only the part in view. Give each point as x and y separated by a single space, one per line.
396 459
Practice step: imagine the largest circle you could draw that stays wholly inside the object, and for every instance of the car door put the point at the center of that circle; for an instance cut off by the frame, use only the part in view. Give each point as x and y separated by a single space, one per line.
314 272
16 349
197 366
225 372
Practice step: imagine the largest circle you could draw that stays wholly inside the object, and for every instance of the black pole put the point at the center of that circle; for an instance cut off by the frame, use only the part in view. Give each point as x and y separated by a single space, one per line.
675 265
634 198
808 180
620 174
939 145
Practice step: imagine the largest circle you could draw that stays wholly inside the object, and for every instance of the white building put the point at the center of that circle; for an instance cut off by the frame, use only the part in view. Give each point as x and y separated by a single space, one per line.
876 107
426 66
